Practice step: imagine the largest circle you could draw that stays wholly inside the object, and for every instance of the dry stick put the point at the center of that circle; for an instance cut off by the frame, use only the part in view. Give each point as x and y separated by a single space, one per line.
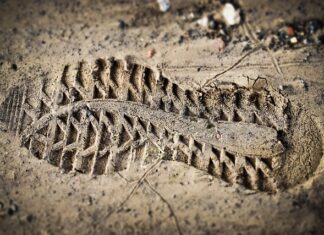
139 182
167 203
232 66
288 63
124 178
249 33
274 61
258 42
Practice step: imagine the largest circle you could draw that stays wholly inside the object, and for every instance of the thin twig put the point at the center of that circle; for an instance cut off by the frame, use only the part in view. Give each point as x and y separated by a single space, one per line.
256 41
167 203
250 33
274 61
124 178
231 67
136 186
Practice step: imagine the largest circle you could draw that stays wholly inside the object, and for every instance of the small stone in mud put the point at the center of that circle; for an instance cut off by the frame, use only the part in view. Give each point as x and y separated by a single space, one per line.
164 5
121 24
293 40
231 15
218 135
150 53
305 32
290 31
212 24
12 209
203 21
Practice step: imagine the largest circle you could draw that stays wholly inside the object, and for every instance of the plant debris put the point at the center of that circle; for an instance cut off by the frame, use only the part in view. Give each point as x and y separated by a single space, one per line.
218 25
296 34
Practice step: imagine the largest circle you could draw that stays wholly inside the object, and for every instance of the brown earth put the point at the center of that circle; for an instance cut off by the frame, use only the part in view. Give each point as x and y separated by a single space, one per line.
38 39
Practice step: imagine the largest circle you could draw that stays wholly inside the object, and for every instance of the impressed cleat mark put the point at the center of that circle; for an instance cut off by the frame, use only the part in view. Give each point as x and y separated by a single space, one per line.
115 115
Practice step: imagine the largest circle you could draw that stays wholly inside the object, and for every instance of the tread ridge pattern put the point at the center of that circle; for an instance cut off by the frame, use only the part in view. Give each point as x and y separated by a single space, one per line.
100 141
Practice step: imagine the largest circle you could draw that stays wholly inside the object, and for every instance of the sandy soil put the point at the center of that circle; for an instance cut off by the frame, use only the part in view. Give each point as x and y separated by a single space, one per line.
39 38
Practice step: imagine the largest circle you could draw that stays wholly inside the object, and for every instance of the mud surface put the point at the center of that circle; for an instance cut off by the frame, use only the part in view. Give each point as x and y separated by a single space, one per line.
175 132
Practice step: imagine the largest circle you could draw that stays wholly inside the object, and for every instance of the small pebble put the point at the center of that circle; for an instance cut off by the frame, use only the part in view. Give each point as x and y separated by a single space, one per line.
203 22
12 209
231 15
293 40
212 24
218 135
290 31
164 5
150 53
121 24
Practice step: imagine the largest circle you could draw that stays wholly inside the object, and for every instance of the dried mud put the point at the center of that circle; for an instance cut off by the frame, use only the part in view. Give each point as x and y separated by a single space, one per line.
109 116
190 141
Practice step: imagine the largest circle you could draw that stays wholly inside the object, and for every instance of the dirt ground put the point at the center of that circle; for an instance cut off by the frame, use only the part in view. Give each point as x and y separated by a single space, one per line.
38 38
